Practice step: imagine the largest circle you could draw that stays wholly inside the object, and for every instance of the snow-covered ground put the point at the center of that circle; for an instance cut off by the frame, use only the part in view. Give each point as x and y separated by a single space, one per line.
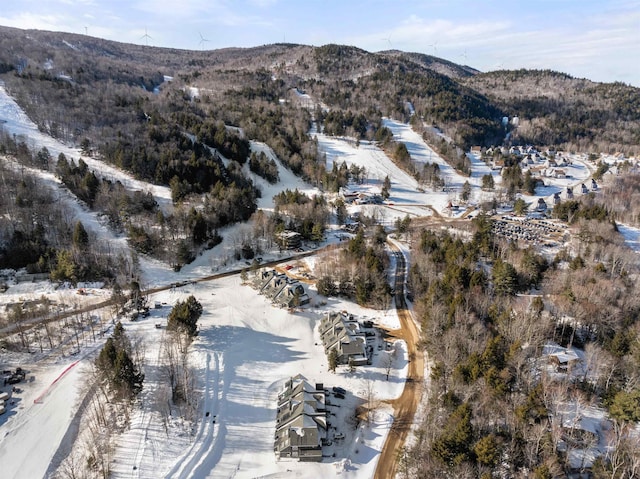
245 351
30 433
406 196
631 236
422 153
14 121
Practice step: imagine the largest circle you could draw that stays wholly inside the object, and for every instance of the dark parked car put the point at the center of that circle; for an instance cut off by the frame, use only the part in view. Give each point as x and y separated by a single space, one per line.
337 389
13 379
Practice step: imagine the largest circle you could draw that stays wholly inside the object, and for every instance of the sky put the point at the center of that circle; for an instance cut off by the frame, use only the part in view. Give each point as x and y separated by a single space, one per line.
591 39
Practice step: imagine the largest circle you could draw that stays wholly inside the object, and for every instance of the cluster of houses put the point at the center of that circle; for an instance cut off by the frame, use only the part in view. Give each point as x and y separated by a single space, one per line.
280 289
548 164
301 420
542 206
341 332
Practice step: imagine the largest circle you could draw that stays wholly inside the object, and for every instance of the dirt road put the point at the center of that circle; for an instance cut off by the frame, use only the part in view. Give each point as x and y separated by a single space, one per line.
404 408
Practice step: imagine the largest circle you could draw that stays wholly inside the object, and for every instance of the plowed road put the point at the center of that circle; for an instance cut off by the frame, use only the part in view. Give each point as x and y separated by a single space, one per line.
404 408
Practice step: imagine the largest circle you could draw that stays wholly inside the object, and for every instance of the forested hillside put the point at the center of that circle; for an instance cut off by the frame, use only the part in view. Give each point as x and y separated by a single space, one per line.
571 113
184 119
504 401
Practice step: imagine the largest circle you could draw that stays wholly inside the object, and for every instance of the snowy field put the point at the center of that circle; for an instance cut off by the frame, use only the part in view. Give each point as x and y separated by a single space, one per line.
245 351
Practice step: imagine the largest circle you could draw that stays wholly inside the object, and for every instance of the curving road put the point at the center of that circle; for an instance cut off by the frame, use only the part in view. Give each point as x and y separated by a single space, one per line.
404 407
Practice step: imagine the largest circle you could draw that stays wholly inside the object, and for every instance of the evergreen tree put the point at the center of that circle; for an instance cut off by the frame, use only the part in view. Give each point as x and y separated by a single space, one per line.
333 360
66 268
486 450
80 236
317 232
386 188
488 183
466 191
326 286
184 317
626 406
529 183
453 445
520 207
127 379
341 211
505 278
116 367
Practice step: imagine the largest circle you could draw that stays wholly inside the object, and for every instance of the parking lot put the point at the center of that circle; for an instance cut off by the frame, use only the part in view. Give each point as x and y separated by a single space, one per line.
528 230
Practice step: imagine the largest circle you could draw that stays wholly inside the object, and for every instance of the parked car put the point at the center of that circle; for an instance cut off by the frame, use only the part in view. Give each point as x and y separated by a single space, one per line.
338 389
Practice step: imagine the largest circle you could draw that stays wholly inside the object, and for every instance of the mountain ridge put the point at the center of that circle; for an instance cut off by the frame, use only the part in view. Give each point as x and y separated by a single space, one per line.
466 104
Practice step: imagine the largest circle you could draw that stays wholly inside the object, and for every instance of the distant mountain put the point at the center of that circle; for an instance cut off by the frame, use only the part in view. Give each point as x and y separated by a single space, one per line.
557 109
76 86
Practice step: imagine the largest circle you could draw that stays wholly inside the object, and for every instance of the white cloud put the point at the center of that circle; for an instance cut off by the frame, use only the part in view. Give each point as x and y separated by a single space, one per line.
177 10
39 22
584 48
76 3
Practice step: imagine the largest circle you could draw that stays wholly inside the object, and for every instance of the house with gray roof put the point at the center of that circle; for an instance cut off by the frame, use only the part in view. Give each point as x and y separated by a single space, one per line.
289 239
282 290
263 278
275 285
293 294
301 420
340 331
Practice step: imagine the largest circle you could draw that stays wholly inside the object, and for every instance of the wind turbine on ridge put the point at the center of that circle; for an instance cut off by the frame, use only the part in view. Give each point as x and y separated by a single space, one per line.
434 45
202 40
146 36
